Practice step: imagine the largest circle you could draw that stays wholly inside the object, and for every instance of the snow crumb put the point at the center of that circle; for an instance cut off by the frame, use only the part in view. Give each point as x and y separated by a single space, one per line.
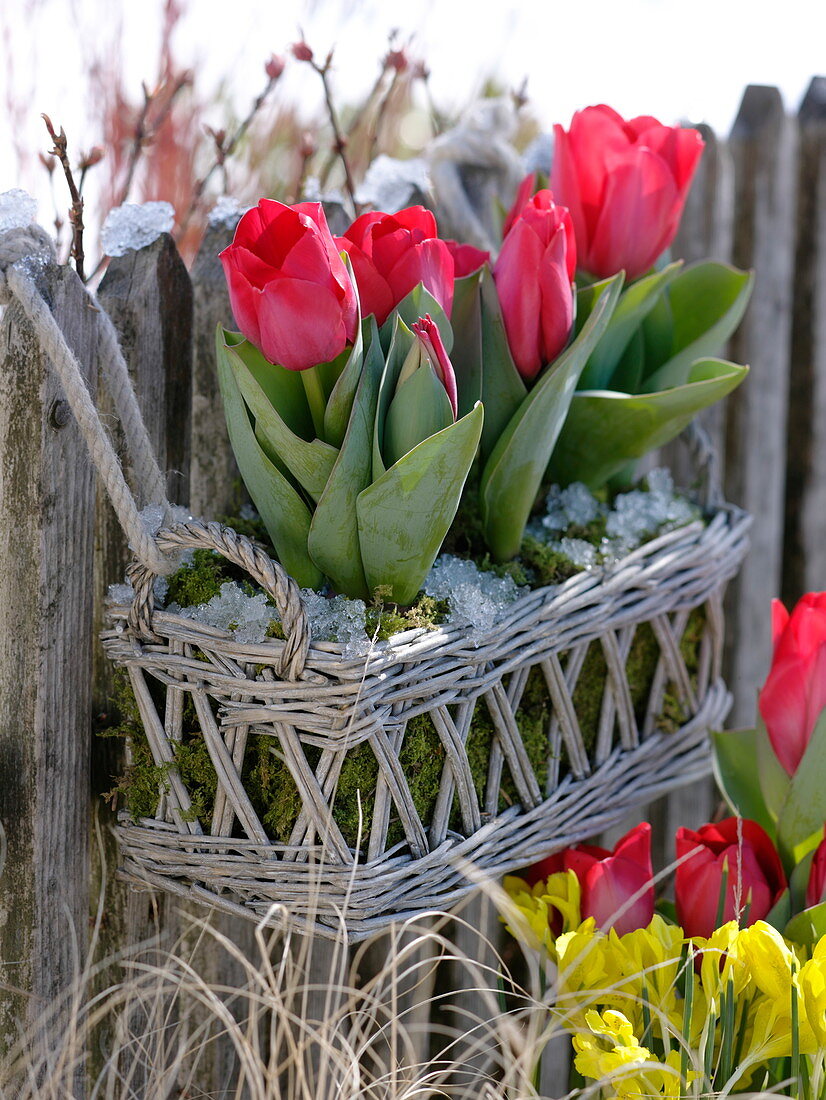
135 225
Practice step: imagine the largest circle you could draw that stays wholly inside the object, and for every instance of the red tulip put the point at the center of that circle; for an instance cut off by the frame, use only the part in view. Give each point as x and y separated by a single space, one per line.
290 292
754 882
625 184
533 276
393 253
617 886
816 887
794 694
466 258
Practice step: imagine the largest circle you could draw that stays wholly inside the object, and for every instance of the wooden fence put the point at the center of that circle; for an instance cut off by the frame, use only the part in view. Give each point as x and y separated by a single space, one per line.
759 201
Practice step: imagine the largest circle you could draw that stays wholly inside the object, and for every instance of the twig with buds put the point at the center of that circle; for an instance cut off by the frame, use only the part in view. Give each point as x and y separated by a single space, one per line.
147 126
225 148
60 145
302 52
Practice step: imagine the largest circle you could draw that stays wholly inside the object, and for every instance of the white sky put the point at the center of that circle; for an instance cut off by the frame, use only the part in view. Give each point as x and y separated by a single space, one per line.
677 60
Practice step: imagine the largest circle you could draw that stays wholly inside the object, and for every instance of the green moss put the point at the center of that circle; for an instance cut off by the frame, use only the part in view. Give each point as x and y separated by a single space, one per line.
271 787
384 620
196 582
547 566
587 695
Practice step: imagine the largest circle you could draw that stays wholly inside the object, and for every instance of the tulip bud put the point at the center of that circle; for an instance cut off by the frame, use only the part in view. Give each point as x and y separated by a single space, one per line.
794 694
617 886
424 400
397 60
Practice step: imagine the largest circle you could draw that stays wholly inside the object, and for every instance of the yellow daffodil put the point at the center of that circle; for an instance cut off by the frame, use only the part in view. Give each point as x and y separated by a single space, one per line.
812 981
611 1053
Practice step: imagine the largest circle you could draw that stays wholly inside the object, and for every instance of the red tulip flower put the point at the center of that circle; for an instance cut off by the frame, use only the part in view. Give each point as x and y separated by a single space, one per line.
431 340
533 277
392 253
608 881
794 694
523 195
617 886
290 292
625 184
816 887
466 258
741 850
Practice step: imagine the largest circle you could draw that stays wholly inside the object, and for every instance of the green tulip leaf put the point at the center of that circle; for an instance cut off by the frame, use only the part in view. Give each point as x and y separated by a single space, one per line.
513 473
799 881
606 430
334 540
807 927
283 388
707 302
285 514
773 777
340 401
629 371
779 914
419 409
658 335
466 357
800 825
635 302
401 343
404 515
737 775
503 390
418 303
309 461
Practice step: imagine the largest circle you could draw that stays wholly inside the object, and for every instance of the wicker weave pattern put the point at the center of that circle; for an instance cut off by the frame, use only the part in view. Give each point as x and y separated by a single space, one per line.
336 704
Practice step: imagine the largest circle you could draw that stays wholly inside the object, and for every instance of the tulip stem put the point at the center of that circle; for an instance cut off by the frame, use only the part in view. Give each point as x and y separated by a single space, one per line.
315 398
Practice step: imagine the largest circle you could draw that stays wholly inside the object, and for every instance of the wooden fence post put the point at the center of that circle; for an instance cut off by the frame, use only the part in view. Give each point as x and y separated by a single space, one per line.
46 536
804 561
216 483
763 145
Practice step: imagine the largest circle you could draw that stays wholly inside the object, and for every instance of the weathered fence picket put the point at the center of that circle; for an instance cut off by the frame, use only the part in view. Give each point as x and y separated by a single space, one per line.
46 539
759 200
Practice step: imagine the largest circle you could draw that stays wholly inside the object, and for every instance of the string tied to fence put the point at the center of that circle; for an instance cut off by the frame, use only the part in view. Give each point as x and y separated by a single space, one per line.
22 252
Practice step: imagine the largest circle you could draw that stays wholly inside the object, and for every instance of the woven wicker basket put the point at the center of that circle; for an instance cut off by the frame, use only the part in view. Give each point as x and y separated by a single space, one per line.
316 707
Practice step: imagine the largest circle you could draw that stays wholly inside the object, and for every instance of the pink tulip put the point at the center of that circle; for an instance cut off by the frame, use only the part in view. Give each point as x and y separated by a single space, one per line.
290 292
794 694
392 253
533 277
816 887
754 878
625 184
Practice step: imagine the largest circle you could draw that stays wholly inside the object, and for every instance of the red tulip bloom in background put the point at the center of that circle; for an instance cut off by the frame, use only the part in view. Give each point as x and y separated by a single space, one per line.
608 879
393 253
523 195
755 878
466 258
533 276
290 292
794 694
816 888
625 184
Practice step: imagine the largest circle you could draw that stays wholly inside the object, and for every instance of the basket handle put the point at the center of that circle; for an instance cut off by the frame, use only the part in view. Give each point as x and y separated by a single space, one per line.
241 551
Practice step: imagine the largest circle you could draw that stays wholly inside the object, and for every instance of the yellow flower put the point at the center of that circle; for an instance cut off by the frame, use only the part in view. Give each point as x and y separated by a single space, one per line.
648 960
588 974
537 905
612 1054
722 962
812 980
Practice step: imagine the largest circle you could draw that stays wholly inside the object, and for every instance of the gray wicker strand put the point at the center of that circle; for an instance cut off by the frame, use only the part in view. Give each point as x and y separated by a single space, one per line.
18 280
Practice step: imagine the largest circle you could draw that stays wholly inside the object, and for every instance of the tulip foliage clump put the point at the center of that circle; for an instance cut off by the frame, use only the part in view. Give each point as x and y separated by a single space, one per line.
383 377
723 990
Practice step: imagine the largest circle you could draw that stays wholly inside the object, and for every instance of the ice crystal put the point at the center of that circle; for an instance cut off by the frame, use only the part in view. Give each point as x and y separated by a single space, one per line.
135 225
476 598
17 209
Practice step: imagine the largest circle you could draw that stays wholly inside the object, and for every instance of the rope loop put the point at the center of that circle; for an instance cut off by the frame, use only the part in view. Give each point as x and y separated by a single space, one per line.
16 245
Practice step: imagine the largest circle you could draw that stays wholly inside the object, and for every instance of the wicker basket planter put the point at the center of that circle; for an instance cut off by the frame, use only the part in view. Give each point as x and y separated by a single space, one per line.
315 710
